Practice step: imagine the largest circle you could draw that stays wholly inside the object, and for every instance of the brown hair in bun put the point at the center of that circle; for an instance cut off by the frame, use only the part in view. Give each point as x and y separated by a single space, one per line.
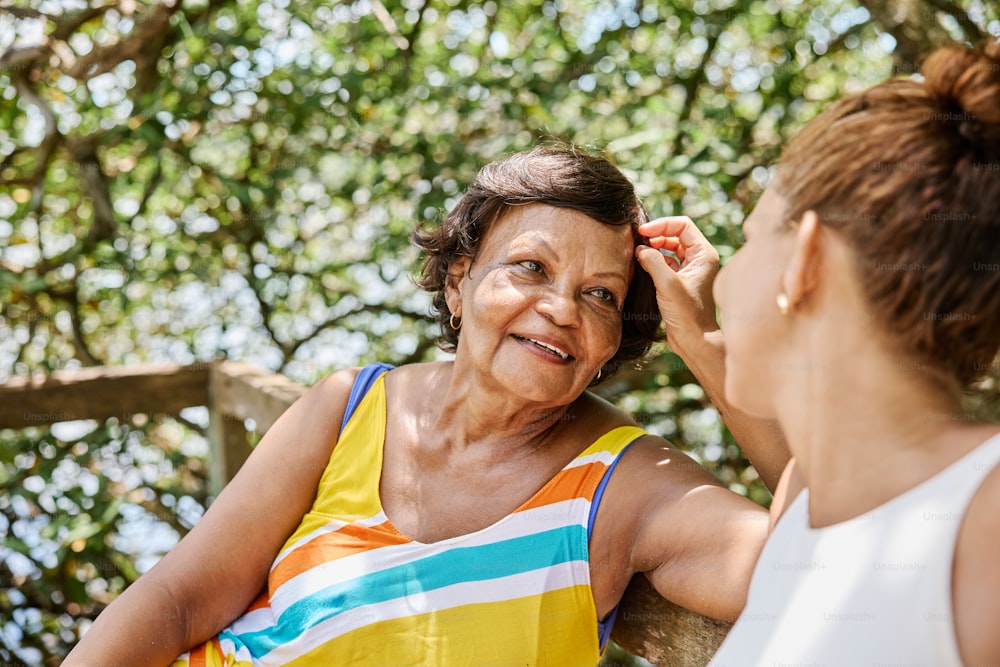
968 82
909 172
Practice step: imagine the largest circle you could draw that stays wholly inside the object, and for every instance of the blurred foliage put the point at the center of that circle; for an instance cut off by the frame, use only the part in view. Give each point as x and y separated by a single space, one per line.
200 179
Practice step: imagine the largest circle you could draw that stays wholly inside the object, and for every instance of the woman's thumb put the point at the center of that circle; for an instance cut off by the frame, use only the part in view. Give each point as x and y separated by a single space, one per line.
655 264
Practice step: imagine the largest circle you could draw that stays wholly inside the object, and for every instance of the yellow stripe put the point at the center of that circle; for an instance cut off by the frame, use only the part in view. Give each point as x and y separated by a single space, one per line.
555 628
348 489
614 440
352 474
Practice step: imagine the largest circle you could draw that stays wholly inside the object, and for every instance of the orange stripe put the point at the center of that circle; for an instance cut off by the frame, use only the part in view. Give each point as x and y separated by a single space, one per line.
263 601
197 656
577 482
346 541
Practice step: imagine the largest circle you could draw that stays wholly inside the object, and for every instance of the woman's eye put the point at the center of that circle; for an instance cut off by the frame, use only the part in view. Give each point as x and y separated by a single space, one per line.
604 295
532 265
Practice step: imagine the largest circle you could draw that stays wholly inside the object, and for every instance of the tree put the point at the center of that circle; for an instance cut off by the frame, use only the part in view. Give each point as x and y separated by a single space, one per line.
207 179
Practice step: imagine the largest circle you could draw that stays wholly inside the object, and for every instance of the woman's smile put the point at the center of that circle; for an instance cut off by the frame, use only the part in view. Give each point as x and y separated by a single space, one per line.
549 351
550 283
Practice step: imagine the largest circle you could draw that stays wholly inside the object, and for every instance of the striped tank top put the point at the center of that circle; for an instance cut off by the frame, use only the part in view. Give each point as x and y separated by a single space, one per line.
348 588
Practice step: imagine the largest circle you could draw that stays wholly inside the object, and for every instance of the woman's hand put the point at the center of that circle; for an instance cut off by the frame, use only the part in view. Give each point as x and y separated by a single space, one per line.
683 282
684 295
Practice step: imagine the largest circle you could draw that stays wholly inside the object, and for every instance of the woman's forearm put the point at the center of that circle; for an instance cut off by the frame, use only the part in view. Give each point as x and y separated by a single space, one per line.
761 439
144 626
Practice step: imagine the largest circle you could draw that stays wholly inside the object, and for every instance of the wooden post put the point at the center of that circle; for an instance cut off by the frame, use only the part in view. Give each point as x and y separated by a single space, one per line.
228 446
236 392
250 393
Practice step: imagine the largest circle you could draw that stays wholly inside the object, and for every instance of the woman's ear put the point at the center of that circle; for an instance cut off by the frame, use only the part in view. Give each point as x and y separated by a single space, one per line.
458 270
802 274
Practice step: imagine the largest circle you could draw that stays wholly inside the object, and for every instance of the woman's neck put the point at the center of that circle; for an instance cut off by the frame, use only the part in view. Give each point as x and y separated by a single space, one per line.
494 417
864 429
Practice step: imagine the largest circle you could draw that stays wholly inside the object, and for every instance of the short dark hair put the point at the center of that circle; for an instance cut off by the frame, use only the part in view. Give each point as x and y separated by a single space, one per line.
561 176
909 173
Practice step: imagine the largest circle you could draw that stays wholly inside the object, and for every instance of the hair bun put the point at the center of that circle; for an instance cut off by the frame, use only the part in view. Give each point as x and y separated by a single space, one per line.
965 83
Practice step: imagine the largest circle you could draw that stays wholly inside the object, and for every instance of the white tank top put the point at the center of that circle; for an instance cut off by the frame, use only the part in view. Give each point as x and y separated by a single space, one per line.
872 591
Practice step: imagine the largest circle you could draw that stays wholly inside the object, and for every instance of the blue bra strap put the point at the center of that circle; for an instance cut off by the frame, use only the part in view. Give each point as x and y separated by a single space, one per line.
366 378
604 627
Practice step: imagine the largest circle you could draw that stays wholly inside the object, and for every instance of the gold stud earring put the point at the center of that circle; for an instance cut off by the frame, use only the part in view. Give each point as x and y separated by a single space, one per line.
783 305
451 322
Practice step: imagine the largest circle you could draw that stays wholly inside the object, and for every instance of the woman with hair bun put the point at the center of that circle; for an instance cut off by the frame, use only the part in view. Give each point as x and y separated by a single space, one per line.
866 297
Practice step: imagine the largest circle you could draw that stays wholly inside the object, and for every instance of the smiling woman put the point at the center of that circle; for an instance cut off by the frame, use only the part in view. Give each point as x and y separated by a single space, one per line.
486 510
569 181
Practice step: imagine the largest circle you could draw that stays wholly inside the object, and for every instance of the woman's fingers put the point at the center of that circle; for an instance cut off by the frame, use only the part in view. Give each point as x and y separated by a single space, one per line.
680 235
677 226
671 243
683 278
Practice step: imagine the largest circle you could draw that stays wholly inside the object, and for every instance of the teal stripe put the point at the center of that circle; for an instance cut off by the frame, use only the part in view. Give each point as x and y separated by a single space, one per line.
458 565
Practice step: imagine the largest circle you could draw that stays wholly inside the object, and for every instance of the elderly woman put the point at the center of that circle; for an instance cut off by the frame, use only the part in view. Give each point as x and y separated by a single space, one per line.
462 512
866 297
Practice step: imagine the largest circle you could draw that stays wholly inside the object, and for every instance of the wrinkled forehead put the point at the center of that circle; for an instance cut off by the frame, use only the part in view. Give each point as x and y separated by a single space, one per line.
566 233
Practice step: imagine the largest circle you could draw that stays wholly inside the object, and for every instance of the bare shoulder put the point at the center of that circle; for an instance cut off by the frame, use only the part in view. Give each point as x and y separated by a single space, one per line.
976 578
309 428
654 474
333 391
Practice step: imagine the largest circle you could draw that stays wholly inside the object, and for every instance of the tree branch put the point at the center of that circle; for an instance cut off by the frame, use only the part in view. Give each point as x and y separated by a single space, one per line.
66 26
419 353
94 184
52 136
142 46
691 85
79 343
363 308
165 514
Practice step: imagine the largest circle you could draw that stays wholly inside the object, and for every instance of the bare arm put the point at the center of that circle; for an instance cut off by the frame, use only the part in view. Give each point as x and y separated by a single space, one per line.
684 295
696 541
761 439
976 577
217 570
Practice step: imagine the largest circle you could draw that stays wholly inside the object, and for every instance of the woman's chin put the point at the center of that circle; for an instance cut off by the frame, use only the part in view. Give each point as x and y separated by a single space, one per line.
549 386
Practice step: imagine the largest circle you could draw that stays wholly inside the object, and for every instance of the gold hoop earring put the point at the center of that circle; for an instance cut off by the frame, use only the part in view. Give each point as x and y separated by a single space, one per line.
783 305
599 371
451 322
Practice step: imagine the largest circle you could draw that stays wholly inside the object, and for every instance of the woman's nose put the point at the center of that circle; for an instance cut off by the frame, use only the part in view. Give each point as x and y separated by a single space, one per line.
560 305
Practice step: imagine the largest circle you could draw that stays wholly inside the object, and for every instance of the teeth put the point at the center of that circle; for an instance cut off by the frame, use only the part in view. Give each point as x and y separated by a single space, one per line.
546 346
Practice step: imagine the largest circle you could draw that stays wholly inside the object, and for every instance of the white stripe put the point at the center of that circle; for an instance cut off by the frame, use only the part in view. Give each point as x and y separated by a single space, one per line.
607 458
517 524
258 619
538 581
